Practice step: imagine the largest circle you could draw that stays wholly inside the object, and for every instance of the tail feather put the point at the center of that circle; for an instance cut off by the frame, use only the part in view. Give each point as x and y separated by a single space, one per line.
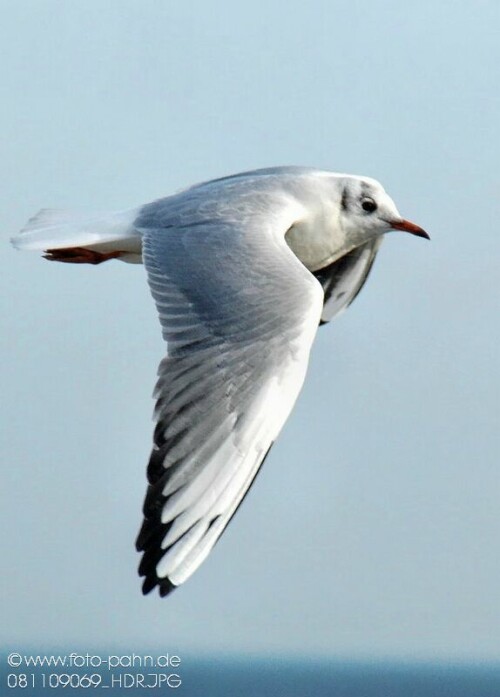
59 229
55 217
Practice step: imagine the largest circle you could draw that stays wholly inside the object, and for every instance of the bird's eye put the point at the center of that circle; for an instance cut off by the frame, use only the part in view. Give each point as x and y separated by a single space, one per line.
368 205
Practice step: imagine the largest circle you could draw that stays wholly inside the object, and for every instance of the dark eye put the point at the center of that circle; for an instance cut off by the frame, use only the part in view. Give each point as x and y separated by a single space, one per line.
368 205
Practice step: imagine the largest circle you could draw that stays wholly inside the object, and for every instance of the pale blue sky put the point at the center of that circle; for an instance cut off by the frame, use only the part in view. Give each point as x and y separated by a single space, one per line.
373 528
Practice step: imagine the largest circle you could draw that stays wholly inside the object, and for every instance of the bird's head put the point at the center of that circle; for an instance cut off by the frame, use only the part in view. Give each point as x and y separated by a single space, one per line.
366 210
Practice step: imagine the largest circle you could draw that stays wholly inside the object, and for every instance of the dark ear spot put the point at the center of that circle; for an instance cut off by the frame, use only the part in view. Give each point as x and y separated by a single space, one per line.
344 199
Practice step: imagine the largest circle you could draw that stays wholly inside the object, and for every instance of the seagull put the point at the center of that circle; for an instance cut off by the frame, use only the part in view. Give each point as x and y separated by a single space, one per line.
243 270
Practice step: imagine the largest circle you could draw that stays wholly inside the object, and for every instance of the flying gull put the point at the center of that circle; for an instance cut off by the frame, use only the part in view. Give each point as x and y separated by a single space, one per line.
242 269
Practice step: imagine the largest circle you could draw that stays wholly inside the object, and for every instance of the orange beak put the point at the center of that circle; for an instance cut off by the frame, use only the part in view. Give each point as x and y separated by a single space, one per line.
413 229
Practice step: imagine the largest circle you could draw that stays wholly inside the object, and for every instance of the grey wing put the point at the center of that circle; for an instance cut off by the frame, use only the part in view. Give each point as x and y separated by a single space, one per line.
239 313
343 279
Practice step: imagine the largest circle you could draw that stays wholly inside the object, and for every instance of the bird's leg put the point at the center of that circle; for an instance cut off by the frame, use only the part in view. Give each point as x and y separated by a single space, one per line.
80 255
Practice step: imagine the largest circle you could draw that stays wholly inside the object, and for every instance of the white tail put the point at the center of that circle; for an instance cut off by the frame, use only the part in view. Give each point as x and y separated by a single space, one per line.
58 229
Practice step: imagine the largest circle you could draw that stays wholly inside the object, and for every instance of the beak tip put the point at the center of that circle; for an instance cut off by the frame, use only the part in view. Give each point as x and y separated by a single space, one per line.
424 234
407 226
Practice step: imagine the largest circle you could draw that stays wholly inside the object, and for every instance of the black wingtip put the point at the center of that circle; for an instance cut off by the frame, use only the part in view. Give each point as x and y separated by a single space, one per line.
151 536
164 585
150 582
